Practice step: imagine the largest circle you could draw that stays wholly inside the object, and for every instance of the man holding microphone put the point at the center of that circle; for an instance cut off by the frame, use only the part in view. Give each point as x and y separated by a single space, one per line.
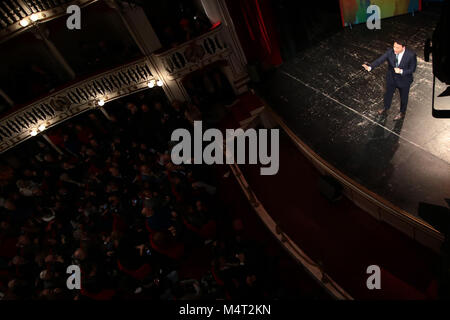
402 64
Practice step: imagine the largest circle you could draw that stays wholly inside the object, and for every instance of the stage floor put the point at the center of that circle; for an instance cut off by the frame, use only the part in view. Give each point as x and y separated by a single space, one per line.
330 102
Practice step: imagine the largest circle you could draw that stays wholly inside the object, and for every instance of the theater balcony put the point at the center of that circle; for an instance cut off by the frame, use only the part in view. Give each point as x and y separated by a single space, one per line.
193 55
54 73
18 16
68 102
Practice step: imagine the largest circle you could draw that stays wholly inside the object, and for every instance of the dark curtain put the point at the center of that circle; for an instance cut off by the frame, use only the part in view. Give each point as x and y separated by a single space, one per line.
255 27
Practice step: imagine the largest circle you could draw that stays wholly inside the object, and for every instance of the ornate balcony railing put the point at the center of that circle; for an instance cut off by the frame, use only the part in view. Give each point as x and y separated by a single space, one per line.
68 102
12 12
194 54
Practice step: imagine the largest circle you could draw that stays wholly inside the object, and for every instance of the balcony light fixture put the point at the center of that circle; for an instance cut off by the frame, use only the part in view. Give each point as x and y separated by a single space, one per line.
101 102
41 127
159 83
34 17
33 132
24 22
151 83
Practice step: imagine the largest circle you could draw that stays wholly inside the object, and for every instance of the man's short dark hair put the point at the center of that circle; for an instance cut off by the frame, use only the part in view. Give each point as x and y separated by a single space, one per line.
401 42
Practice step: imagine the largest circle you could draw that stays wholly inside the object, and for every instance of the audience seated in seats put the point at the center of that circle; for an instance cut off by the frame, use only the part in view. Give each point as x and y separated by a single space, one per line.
114 204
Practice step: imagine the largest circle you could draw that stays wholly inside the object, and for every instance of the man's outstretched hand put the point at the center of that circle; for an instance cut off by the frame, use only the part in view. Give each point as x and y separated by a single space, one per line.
366 67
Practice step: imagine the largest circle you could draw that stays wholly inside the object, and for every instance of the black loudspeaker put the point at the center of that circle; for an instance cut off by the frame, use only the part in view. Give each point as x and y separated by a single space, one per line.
330 188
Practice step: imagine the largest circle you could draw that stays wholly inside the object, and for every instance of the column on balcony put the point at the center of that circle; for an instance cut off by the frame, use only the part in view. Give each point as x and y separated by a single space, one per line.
145 37
217 11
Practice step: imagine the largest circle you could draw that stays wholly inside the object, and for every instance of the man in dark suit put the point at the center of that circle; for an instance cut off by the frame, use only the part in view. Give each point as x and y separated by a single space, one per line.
402 64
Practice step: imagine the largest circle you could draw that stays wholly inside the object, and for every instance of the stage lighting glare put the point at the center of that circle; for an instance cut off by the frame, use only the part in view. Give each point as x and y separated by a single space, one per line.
101 103
24 22
34 17
33 132
151 84
159 83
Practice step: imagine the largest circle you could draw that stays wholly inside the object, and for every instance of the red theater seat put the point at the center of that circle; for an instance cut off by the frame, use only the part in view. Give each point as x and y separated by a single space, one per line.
395 288
175 251
139 274
103 295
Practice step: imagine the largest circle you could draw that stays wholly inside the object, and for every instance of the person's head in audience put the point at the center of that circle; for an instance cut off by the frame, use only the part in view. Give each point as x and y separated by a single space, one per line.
66 165
145 171
158 106
132 108
114 200
90 152
176 105
148 212
112 187
250 280
80 254
114 171
48 157
93 143
200 206
143 146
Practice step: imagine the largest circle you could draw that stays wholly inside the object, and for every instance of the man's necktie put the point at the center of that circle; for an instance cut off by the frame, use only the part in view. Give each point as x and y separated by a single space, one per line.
396 60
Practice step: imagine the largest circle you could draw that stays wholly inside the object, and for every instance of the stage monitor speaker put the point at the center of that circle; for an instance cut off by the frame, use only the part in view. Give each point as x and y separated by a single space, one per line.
330 188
